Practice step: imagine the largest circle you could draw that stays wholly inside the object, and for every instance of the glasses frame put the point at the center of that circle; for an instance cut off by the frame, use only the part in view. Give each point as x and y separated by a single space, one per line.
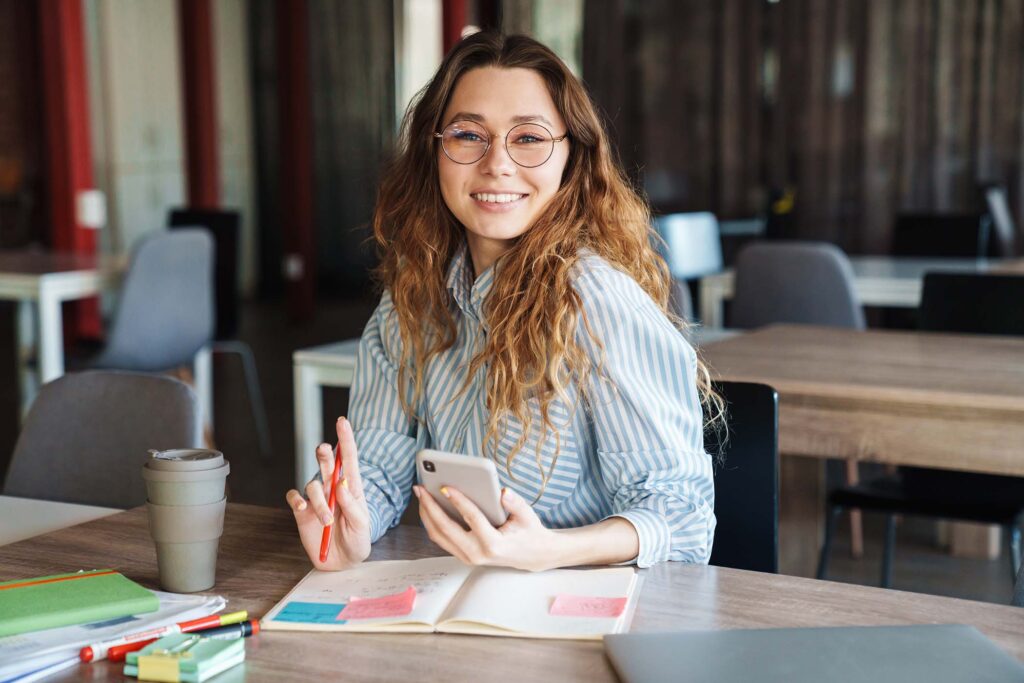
490 139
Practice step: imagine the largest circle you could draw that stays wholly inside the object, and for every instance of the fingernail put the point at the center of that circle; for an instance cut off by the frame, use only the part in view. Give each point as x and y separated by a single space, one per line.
302 506
326 519
344 483
416 490
444 492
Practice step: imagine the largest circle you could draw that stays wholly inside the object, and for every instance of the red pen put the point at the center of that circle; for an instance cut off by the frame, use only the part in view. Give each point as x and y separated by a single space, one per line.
325 542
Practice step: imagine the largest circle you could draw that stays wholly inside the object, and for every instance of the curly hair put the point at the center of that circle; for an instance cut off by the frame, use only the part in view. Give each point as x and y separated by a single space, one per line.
532 309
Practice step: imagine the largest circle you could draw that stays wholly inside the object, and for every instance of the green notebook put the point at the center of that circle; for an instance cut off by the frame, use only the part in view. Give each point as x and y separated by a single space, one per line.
184 658
65 599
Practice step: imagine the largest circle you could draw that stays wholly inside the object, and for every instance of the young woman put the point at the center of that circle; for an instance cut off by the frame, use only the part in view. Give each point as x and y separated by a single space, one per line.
523 319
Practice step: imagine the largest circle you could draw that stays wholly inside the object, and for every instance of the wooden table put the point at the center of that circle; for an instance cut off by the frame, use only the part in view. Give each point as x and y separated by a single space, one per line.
908 398
878 281
261 559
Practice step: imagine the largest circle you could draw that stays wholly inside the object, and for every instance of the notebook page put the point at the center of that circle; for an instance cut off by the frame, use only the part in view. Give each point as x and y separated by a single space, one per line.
316 601
517 603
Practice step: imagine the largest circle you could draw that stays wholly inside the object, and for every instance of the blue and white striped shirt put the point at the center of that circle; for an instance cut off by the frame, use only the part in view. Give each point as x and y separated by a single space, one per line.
635 451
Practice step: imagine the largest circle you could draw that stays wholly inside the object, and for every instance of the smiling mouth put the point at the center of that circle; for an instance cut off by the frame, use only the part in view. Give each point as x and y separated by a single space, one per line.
505 198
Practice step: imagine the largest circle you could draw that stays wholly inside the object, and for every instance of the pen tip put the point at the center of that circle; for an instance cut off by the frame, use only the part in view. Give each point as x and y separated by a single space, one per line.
86 654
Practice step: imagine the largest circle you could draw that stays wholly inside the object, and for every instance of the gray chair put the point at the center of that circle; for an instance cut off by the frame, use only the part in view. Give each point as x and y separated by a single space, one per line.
805 283
794 282
693 249
87 434
165 314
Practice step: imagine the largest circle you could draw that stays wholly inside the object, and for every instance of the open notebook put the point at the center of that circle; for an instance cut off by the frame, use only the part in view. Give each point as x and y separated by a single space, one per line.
450 597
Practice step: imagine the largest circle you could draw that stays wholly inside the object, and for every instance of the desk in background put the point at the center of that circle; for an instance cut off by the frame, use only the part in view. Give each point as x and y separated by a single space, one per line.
878 281
948 401
22 518
261 560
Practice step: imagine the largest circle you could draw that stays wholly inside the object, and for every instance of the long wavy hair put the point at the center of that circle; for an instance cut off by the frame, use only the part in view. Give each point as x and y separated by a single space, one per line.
532 310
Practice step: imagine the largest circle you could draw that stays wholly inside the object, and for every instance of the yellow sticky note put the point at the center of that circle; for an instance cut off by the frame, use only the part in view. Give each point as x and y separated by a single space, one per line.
159 668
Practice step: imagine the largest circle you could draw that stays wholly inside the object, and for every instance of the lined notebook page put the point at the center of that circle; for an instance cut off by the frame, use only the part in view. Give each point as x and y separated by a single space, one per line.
436 580
517 601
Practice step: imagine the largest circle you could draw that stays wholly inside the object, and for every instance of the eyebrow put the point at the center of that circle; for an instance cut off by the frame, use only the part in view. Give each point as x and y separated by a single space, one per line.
527 118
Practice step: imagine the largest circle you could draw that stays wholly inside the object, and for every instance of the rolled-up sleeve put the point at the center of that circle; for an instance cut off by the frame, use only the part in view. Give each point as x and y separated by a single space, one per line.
647 418
386 437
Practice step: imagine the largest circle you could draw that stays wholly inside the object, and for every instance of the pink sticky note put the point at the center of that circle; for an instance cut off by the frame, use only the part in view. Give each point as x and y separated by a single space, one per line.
585 606
397 605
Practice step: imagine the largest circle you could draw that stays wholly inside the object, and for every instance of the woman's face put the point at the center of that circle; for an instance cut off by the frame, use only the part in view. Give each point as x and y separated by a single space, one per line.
495 199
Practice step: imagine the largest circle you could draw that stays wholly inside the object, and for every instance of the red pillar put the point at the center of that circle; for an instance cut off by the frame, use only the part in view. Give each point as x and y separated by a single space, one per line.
454 17
68 148
296 153
201 161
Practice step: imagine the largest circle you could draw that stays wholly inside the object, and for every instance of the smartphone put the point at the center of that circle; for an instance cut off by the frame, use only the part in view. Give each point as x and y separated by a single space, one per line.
475 478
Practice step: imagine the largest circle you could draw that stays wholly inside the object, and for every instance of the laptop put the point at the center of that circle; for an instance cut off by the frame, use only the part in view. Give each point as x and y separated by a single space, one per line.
943 653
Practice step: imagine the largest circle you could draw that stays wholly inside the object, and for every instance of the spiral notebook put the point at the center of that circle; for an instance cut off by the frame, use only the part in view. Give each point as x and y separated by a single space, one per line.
442 594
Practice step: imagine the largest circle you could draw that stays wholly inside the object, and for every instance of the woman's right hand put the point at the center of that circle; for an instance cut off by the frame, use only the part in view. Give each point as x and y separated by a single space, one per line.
350 540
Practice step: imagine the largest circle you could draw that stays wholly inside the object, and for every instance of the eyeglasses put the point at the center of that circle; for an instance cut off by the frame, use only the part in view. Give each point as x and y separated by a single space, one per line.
528 144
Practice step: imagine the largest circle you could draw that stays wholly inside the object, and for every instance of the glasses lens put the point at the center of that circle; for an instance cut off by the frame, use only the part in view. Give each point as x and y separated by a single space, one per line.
464 142
529 144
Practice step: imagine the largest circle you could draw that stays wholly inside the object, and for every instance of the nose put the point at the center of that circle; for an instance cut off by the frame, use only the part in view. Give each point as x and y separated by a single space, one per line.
496 161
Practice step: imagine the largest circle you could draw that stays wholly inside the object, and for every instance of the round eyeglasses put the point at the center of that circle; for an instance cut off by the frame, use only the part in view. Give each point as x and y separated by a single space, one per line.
529 144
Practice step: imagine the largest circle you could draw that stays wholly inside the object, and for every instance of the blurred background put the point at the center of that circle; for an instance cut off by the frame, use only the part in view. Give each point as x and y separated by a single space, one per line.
796 119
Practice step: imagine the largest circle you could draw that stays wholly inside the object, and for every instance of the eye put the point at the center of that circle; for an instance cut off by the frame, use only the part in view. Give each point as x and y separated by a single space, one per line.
466 136
528 139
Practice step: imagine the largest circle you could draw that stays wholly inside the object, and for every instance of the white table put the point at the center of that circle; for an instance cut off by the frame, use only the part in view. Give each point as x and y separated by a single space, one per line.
40 281
22 518
334 365
879 281
330 365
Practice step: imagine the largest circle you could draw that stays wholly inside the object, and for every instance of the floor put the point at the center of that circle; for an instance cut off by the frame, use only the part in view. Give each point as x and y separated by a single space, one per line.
920 566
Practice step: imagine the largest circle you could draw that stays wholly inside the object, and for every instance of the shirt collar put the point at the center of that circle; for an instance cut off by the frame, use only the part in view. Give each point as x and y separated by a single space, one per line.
468 294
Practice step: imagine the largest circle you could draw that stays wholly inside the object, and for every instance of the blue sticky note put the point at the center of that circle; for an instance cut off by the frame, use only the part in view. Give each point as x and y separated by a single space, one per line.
311 613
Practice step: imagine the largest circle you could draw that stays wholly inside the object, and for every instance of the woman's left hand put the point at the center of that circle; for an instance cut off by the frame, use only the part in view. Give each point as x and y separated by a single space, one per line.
522 542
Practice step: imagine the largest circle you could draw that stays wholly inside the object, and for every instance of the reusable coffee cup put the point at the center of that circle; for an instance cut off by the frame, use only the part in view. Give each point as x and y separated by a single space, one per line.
186 501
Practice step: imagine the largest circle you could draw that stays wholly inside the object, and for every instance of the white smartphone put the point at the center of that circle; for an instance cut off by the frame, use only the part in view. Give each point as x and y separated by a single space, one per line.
475 478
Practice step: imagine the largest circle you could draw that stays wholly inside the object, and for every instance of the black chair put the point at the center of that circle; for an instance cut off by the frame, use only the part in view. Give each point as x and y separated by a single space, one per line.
954 302
225 226
942 235
747 479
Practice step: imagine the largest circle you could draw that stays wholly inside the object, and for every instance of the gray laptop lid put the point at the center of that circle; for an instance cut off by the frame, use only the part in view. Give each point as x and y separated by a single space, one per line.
944 653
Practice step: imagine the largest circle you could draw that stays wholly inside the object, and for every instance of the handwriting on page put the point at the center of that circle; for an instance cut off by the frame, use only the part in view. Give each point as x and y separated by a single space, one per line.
397 605
586 606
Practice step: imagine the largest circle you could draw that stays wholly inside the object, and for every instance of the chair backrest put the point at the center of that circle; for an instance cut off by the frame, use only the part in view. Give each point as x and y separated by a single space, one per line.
87 434
941 235
747 479
225 227
794 282
973 303
1018 589
165 313
1004 230
693 246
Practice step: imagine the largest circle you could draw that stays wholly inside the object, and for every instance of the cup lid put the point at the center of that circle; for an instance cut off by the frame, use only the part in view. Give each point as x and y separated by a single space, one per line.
185 460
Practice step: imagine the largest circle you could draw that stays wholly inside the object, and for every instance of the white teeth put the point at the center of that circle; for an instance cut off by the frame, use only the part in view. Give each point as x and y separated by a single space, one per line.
497 198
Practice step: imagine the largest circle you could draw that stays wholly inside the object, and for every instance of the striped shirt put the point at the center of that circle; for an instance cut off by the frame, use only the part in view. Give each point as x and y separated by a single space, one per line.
635 450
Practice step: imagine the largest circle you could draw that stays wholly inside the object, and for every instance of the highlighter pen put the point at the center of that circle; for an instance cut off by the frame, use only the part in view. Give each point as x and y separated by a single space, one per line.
98 651
230 632
325 541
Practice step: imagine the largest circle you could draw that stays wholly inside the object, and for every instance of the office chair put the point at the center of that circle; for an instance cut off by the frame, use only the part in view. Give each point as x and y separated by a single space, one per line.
223 226
87 436
747 479
950 302
942 235
693 249
1004 230
807 283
